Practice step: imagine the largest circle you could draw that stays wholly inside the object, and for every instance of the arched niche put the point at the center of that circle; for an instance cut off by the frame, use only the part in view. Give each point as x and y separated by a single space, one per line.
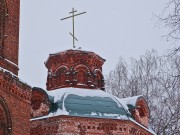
39 102
5 118
60 75
81 74
141 112
99 79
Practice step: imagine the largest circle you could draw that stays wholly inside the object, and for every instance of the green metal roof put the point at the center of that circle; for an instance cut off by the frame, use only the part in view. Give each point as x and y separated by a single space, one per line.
96 106
86 103
90 103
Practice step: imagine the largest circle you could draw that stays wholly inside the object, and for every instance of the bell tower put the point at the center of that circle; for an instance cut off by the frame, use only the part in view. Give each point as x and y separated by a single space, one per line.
9 35
14 94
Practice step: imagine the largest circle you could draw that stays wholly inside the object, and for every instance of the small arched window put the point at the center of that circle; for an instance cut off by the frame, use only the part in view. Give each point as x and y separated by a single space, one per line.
99 81
5 119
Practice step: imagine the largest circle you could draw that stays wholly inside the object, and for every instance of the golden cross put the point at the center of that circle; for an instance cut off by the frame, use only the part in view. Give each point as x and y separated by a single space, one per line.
73 15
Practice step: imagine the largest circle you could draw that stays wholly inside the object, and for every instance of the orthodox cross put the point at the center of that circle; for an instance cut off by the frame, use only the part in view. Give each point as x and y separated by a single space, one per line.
72 16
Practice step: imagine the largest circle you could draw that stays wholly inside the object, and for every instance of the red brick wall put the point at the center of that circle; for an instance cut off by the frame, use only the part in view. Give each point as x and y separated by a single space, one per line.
66 125
8 66
11 42
11 37
17 97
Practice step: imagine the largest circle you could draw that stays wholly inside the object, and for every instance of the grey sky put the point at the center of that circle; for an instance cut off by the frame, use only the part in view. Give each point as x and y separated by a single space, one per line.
110 28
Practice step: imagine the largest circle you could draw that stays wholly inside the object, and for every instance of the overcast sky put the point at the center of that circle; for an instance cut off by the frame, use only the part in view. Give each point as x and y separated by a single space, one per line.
110 28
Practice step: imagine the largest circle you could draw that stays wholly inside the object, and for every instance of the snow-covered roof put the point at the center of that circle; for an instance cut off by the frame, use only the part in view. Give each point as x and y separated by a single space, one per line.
90 103
130 102
85 103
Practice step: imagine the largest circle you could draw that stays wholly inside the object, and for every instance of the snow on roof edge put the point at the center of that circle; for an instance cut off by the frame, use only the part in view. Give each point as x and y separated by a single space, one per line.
149 130
13 75
56 53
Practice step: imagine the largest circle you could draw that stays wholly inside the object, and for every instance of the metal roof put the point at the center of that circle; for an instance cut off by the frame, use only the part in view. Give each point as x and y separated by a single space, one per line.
92 103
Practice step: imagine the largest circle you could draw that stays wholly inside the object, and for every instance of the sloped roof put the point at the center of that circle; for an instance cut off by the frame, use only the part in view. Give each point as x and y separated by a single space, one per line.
85 103
90 103
130 102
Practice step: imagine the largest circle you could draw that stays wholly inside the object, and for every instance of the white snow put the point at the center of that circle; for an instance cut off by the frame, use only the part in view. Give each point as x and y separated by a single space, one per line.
5 70
57 113
11 62
64 92
111 115
93 113
65 51
80 84
57 94
130 100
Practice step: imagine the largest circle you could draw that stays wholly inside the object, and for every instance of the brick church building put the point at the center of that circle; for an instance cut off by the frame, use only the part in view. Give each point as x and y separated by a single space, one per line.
74 102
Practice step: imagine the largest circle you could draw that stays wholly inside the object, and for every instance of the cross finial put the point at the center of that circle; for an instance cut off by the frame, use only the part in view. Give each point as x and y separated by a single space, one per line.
72 16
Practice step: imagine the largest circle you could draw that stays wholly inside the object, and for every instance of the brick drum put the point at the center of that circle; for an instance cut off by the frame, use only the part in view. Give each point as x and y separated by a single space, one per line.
75 68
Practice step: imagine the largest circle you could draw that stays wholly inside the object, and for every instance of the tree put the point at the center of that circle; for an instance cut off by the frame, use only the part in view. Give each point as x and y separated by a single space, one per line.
170 18
153 77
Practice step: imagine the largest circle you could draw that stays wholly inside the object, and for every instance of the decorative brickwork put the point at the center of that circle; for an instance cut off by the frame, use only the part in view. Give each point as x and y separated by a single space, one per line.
65 125
8 66
16 95
75 68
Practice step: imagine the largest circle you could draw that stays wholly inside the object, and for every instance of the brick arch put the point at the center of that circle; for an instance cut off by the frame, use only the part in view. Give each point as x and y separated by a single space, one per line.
81 66
5 118
142 112
3 15
141 102
60 75
40 103
61 67
99 78
81 73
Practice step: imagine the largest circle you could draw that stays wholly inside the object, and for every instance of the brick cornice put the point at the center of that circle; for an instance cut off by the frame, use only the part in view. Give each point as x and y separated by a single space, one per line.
12 85
9 66
88 125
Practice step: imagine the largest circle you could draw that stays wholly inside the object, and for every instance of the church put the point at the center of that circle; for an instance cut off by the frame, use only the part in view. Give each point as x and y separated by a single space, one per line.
74 102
